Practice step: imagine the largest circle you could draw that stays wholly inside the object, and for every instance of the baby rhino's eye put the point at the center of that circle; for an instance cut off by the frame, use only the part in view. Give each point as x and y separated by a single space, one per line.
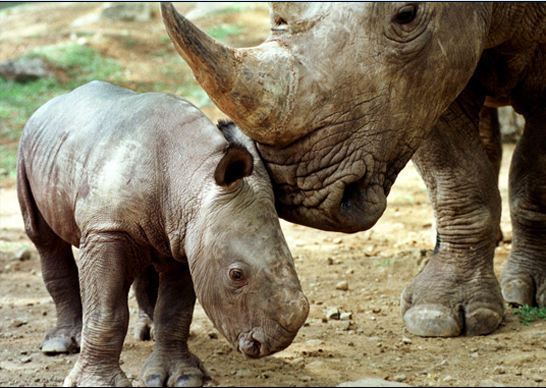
236 275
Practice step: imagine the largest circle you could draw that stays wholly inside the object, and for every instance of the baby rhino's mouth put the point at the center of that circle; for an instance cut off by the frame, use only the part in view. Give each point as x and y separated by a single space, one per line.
252 343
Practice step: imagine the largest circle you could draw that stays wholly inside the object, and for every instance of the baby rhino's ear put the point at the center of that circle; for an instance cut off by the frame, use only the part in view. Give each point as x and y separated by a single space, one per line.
236 164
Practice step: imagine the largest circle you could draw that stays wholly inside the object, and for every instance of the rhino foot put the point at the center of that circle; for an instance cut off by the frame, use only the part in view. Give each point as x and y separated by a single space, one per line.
62 341
524 282
80 376
167 369
439 303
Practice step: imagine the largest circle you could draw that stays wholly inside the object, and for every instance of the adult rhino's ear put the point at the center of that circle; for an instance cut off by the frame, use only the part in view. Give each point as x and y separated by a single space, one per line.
236 164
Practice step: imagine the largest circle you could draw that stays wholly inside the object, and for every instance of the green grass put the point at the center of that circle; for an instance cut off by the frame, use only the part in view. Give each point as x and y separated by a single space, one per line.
224 31
528 314
80 64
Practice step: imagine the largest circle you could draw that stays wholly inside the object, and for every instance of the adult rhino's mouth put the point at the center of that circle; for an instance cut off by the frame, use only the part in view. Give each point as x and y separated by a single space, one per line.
350 207
361 206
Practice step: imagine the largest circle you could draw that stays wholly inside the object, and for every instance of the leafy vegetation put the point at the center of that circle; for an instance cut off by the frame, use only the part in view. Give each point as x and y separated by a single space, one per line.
528 314
224 31
76 65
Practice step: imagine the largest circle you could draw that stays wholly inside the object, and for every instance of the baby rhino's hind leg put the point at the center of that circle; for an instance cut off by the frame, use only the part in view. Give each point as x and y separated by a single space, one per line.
59 272
145 287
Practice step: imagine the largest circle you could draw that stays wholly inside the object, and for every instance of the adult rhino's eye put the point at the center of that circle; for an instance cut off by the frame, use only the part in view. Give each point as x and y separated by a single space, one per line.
406 14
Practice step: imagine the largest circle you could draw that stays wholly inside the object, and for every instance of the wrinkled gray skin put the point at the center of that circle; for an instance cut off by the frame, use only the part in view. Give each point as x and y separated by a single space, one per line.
135 180
342 95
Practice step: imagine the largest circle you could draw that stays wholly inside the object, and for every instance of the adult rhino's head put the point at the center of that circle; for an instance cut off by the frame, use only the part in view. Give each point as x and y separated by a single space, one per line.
242 269
339 96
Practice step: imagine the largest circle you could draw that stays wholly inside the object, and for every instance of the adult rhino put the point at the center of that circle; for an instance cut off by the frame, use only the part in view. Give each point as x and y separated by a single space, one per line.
342 95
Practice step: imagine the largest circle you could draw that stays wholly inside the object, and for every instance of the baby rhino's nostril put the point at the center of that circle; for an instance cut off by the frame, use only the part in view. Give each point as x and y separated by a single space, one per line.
249 346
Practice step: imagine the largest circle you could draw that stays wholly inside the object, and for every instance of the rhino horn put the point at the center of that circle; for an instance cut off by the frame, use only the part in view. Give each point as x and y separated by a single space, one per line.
250 85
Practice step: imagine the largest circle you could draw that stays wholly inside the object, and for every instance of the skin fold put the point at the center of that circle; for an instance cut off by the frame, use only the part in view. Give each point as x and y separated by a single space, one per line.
342 95
149 189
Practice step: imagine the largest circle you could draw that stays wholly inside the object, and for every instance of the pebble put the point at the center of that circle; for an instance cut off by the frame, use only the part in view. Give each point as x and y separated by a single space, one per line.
23 254
406 340
18 323
244 373
337 241
314 342
332 313
342 285
26 360
330 261
400 378
345 316
499 370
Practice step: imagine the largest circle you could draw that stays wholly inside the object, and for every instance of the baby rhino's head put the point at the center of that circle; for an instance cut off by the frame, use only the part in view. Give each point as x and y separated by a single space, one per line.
242 269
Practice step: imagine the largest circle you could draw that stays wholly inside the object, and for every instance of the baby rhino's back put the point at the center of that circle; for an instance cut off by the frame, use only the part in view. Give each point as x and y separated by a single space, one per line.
100 157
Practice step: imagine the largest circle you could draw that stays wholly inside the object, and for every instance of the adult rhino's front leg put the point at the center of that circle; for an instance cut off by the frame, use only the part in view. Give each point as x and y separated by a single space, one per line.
457 291
524 275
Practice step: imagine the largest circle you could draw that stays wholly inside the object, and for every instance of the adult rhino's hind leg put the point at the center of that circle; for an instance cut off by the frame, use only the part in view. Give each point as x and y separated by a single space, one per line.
524 275
457 291
490 135
59 272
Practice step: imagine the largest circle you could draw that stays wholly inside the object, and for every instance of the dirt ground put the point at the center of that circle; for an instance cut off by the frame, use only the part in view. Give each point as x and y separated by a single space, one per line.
376 265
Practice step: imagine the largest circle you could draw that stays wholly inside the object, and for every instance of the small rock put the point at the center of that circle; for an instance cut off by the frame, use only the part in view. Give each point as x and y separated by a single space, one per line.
448 378
538 379
24 69
314 342
500 370
18 323
345 316
337 241
330 261
376 310
474 355
26 360
342 285
305 379
406 340
244 373
400 378
128 12
332 313
23 254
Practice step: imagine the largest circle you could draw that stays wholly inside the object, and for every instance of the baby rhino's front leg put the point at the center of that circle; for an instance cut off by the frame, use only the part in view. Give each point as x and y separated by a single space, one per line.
105 277
172 364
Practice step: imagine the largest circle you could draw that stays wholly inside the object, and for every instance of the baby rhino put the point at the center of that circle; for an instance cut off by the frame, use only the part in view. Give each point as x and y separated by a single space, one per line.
135 180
